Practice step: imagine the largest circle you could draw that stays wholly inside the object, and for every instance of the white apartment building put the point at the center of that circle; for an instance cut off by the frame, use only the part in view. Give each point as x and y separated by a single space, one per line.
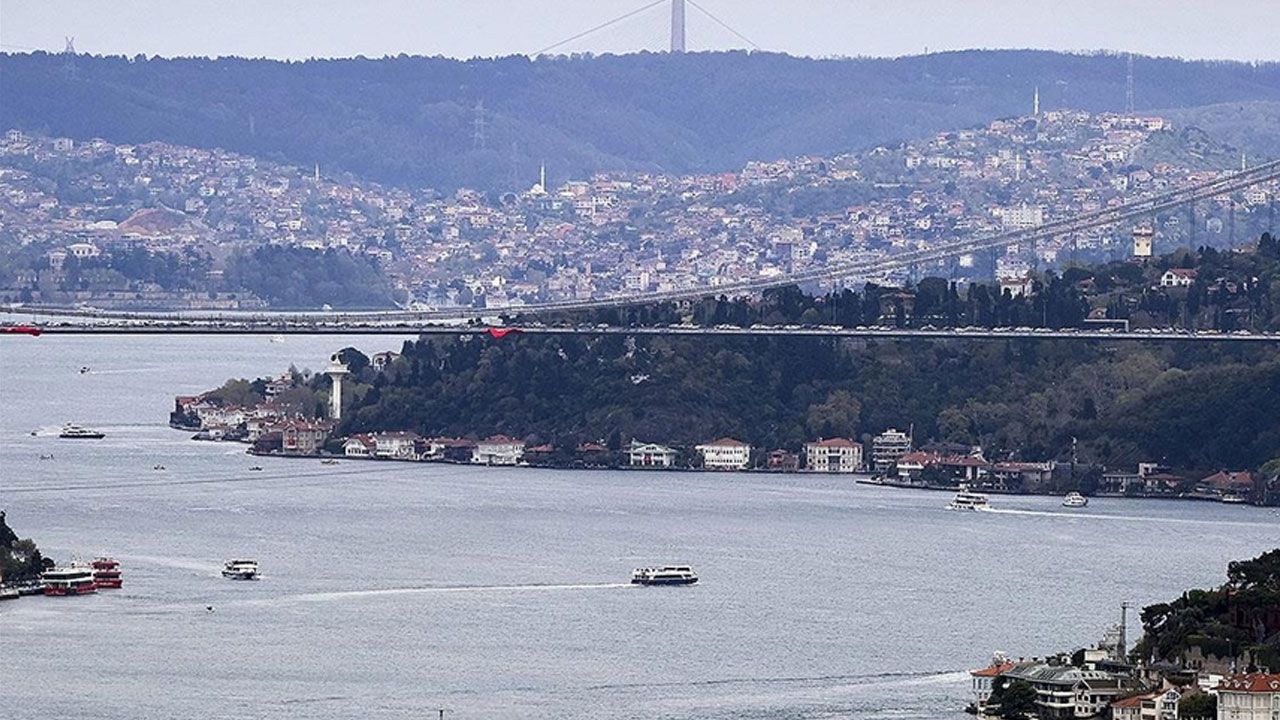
725 454
887 447
833 455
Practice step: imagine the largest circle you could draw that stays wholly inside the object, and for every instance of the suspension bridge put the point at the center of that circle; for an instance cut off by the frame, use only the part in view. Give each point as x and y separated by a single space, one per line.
94 320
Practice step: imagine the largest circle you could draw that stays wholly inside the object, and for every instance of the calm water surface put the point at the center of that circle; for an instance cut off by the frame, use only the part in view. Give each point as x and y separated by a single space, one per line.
391 590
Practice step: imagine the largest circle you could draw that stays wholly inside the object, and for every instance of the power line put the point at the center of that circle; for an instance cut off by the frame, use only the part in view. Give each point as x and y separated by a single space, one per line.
599 27
724 25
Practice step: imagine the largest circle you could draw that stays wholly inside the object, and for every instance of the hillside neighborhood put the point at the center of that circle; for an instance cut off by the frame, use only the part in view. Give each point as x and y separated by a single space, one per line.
153 224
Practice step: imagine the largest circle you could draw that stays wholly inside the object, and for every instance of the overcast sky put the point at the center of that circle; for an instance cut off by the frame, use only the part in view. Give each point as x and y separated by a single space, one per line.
1236 29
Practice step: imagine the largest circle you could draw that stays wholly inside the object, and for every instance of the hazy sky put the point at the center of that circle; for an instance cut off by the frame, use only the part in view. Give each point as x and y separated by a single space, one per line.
1237 29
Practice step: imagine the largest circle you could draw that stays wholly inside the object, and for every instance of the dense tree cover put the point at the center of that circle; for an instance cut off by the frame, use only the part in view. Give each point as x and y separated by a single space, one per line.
409 119
1018 398
294 277
1015 700
19 559
1235 620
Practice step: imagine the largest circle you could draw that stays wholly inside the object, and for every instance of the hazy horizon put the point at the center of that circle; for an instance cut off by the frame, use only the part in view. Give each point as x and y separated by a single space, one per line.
296 30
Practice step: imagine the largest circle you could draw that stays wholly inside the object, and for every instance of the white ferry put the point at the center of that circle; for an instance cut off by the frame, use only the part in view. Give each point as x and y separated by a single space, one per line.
1075 500
74 580
665 575
965 500
240 569
71 431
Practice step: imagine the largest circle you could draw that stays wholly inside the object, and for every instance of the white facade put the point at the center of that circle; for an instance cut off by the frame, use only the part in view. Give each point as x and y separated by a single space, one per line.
834 455
1177 277
1249 697
650 455
725 454
397 445
887 447
498 450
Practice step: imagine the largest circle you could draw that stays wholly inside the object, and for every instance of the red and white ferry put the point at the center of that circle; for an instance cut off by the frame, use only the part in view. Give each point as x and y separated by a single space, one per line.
74 580
106 573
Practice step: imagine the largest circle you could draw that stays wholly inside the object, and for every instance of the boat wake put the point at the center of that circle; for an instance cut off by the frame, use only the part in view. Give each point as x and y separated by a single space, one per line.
1071 515
435 590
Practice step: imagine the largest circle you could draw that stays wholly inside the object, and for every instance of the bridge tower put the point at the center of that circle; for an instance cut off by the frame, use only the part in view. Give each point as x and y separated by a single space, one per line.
677 26
337 372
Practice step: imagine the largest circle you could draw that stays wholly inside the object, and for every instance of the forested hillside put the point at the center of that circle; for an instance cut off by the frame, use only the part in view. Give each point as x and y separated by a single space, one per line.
409 120
1192 406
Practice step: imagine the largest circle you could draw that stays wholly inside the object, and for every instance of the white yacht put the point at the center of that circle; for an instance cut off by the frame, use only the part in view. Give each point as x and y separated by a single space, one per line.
965 500
240 570
1075 500
665 575
72 431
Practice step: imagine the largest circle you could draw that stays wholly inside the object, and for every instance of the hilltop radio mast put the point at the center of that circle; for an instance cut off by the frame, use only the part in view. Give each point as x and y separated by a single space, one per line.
1128 86
677 26
69 58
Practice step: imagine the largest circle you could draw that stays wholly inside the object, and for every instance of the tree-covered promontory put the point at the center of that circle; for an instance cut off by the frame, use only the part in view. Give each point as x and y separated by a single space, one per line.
20 560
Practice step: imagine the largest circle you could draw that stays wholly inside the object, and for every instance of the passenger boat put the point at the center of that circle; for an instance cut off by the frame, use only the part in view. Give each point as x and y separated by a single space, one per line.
665 575
240 570
74 580
71 431
106 573
965 500
1075 500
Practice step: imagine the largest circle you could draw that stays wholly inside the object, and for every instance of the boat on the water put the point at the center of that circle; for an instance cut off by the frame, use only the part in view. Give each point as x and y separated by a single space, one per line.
329 461
665 575
965 500
255 468
30 588
1232 499
240 570
76 579
72 431
1075 500
106 573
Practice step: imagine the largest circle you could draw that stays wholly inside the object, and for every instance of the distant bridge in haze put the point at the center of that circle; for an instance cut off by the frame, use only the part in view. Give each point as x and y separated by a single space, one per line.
417 320
788 331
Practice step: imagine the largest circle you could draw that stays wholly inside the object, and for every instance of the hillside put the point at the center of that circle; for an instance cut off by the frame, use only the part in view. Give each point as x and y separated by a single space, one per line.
409 120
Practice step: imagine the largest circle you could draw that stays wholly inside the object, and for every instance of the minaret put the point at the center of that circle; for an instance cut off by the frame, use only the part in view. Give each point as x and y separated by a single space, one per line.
337 371
542 176
317 172
1035 104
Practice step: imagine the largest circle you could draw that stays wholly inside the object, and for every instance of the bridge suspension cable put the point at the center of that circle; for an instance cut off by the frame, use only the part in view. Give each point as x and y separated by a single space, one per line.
597 28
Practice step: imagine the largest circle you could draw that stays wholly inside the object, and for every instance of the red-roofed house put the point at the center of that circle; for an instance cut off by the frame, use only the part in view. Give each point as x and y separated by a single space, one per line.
837 455
1249 697
498 450
1178 277
1226 483
982 680
1151 706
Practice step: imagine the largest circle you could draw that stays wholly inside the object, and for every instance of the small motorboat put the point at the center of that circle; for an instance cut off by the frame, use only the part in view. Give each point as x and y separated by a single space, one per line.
255 468
665 575
240 570
8 592
329 461
84 369
158 467
1075 500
